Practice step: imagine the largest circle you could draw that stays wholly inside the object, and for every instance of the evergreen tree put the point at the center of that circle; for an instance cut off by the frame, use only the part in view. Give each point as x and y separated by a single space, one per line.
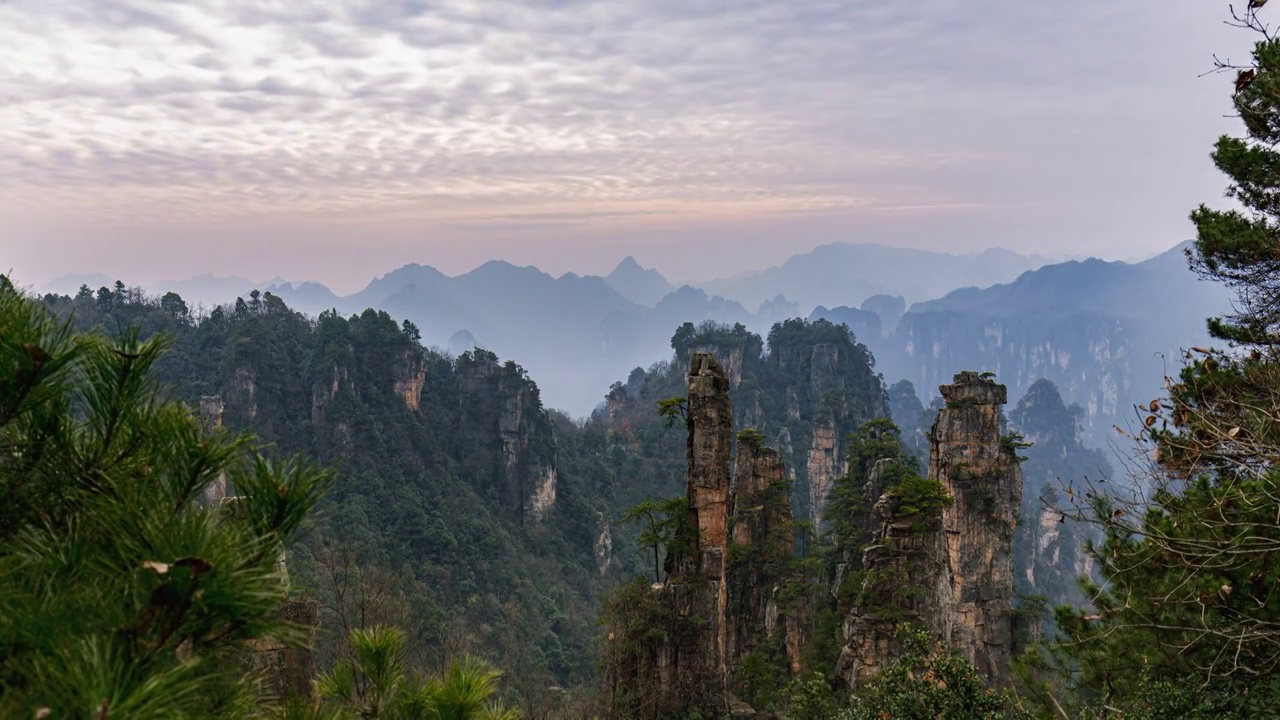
1191 594
120 594
876 446
378 686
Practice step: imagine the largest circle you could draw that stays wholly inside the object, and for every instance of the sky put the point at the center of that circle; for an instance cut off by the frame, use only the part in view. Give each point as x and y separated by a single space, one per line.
335 141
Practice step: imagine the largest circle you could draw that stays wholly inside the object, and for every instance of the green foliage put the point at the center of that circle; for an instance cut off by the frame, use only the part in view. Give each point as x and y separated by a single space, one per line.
121 594
428 498
877 463
750 439
1237 247
638 620
1013 442
674 410
926 683
811 698
762 677
663 527
918 495
822 652
715 335
1188 597
376 685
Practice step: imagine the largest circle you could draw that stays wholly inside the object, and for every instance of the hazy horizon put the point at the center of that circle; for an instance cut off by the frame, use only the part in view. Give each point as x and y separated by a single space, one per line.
159 140
349 286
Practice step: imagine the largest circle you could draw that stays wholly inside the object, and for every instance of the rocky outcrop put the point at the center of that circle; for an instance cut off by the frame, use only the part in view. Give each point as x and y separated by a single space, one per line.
289 669
698 585
411 378
211 412
821 470
211 408
325 391
761 614
497 400
981 473
603 546
729 357
672 661
246 381
903 579
949 569
543 495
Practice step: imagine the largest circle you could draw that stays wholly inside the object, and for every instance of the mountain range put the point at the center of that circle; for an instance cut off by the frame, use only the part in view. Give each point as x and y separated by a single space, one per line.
1104 332
844 273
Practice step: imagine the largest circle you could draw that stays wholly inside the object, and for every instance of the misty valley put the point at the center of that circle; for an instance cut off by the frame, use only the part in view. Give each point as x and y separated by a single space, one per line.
754 524
939 378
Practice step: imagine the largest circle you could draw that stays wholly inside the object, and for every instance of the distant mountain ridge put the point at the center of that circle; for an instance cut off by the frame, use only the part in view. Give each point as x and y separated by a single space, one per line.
847 274
642 286
1103 332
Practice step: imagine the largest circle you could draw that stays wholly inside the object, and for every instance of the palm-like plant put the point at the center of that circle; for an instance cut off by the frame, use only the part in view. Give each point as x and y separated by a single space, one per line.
465 690
376 685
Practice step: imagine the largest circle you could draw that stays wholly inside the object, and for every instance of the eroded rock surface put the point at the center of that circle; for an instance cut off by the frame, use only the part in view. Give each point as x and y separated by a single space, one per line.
950 572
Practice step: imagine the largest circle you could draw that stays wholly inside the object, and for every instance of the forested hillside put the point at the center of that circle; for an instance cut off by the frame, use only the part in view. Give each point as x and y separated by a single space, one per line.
482 522
804 389
463 509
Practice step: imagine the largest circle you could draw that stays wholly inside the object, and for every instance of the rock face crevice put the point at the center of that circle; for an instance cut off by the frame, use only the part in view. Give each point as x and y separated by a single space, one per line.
951 571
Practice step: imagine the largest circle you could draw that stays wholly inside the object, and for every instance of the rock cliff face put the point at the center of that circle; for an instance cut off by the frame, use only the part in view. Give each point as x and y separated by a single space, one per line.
904 578
759 614
730 358
698 585
815 385
981 473
949 571
289 670
211 419
668 647
603 546
498 400
410 378
821 469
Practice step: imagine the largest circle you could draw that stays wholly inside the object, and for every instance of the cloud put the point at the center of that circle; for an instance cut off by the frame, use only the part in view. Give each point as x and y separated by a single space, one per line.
496 111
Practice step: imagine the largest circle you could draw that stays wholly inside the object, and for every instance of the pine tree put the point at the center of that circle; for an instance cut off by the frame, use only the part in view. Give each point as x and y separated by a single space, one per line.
121 594
377 685
1191 594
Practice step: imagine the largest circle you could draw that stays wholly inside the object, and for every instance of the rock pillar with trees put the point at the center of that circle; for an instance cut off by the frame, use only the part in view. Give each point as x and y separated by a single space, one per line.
666 642
943 560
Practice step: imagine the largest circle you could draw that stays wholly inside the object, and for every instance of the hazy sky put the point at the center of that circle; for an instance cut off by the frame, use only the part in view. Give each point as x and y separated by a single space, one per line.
337 140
